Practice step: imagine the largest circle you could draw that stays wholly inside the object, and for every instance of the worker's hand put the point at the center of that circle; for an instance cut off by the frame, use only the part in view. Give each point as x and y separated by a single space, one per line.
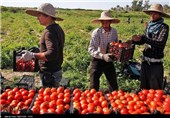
107 57
27 55
136 37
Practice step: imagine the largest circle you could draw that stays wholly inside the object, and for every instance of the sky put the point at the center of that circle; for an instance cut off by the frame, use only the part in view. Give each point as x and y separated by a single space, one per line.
72 4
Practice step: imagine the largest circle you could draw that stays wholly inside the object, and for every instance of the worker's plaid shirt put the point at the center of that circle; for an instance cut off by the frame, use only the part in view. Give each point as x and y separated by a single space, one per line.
99 41
155 43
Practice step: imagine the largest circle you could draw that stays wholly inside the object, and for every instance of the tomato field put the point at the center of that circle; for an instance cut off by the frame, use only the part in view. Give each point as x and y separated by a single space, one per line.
21 30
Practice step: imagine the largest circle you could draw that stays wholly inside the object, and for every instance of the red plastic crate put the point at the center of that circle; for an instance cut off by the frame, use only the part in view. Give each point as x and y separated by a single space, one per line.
20 66
122 52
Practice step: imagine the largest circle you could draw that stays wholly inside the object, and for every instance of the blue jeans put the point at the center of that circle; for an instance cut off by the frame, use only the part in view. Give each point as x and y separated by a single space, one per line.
48 79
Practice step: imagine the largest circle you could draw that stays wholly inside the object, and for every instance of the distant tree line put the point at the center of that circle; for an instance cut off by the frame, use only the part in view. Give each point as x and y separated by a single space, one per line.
139 5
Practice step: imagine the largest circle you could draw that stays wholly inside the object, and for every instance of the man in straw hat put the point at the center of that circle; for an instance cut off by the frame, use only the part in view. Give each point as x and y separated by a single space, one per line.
101 61
154 38
51 46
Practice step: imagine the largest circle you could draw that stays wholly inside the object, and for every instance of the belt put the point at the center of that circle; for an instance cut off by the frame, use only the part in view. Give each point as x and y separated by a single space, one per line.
151 60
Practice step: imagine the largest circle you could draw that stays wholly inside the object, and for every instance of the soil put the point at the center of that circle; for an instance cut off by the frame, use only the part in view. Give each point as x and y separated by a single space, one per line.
10 75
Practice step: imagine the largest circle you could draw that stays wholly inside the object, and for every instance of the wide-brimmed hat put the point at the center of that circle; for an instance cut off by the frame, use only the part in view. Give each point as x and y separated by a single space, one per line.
45 8
105 15
157 8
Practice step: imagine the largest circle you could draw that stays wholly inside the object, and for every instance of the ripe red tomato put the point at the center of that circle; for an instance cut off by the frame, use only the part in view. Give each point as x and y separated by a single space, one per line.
51 110
35 110
106 110
66 106
77 95
145 91
59 110
93 91
32 91
102 98
18 97
84 106
4 95
104 104
44 105
52 104
66 100
54 96
166 104
60 89
43 111
10 98
67 94
124 111
76 90
28 102
41 90
47 91
2 101
84 111
66 90
47 98
21 104
59 102
24 93
31 95
15 89
53 90
11 93
61 96
91 108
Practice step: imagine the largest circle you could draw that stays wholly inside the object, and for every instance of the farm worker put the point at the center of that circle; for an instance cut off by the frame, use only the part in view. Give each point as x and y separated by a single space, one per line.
101 61
51 46
154 38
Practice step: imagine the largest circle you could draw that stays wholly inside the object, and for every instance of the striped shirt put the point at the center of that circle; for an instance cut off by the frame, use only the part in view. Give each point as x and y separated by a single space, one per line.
99 41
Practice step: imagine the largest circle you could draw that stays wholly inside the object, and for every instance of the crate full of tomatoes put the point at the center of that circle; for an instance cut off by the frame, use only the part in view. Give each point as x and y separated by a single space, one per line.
19 65
121 51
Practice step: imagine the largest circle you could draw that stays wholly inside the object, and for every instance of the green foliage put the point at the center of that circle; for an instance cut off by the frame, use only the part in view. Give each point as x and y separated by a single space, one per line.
21 30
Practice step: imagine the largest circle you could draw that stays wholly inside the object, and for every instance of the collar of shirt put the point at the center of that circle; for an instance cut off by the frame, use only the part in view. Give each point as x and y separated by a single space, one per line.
104 32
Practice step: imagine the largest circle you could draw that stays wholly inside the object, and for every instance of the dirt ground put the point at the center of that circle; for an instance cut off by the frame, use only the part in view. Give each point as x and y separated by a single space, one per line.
10 75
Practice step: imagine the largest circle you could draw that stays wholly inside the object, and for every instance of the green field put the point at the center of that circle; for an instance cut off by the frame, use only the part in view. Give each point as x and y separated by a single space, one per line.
21 30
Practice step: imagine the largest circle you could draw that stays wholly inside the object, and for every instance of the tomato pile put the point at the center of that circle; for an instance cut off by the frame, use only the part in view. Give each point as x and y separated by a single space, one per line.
121 51
52 100
61 100
27 66
14 100
90 101
145 102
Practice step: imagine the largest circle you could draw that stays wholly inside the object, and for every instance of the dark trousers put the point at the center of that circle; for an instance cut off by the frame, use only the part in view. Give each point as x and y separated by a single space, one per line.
97 68
151 75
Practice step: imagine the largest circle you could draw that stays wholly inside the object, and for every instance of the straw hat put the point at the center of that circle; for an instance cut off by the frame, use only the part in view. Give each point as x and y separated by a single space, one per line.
45 8
105 15
157 8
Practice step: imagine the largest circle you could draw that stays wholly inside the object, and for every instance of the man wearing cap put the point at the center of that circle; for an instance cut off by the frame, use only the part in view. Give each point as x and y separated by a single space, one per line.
154 38
51 46
101 61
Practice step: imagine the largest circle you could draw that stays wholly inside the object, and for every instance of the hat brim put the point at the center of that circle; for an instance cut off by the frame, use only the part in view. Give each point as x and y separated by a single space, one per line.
35 13
114 21
163 14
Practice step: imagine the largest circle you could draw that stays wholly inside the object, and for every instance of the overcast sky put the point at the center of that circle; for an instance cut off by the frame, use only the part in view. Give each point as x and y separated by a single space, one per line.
83 4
